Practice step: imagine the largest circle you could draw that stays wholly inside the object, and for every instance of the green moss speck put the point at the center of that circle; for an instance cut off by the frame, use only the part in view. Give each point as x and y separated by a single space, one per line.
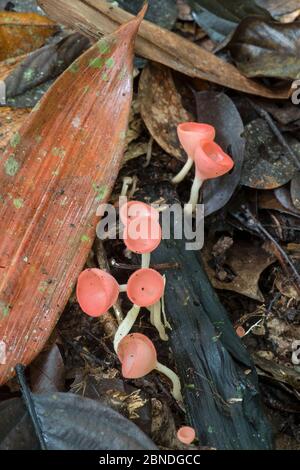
4 309
58 152
11 166
74 68
85 238
15 140
96 63
110 62
28 75
18 203
103 46
101 191
105 77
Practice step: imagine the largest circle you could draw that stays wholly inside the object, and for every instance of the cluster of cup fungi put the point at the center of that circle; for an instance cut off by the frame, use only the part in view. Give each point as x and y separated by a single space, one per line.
97 290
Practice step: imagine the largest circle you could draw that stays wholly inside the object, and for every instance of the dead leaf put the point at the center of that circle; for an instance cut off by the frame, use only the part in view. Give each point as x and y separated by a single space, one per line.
246 262
267 164
47 371
263 48
219 110
157 44
21 33
161 108
8 65
53 175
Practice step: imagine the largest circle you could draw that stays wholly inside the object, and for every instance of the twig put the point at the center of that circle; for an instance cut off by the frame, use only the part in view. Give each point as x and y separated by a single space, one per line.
134 267
265 115
254 225
29 403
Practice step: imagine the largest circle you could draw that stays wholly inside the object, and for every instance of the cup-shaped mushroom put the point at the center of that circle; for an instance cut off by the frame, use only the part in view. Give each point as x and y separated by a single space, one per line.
142 234
186 434
211 161
96 291
191 134
134 209
137 355
145 287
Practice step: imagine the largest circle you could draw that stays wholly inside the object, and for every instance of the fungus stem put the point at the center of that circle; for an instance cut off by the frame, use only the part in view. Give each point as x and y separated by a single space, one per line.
194 196
123 287
155 319
176 392
146 260
126 325
184 171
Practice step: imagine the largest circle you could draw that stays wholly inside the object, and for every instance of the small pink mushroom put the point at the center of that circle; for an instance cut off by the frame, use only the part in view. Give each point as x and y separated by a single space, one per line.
138 357
210 162
142 235
96 291
134 209
145 287
186 434
191 135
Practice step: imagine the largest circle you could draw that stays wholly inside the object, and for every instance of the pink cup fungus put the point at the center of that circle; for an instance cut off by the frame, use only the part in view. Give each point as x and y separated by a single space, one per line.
191 135
138 357
145 288
142 235
186 434
240 331
134 209
210 162
96 291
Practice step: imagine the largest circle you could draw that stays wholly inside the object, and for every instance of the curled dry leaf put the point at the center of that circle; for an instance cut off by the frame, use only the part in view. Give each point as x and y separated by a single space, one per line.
21 33
161 108
266 48
155 43
245 262
267 164
53 174
45 63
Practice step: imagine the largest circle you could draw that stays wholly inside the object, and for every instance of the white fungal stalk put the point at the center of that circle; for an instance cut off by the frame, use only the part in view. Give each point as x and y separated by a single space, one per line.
146 260
194 196
126 325
184 171
156 321
176 391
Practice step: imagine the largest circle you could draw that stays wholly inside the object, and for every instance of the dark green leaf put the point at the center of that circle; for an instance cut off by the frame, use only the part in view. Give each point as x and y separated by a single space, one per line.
220 17
267 164
267 49
163 13
219 110
69 422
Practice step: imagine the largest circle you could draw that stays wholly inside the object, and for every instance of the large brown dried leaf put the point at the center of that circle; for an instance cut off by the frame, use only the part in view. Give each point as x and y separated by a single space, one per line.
161 108
23 32
155 43
246 263
53 175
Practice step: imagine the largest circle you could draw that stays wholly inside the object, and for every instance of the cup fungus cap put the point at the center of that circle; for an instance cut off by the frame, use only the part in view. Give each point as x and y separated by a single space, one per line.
134 209
145 287
186 434
191 134
96 291
211 161
142 234
137 355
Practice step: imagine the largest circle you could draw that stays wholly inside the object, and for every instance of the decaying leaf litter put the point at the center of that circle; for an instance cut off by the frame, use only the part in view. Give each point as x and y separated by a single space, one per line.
251 251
